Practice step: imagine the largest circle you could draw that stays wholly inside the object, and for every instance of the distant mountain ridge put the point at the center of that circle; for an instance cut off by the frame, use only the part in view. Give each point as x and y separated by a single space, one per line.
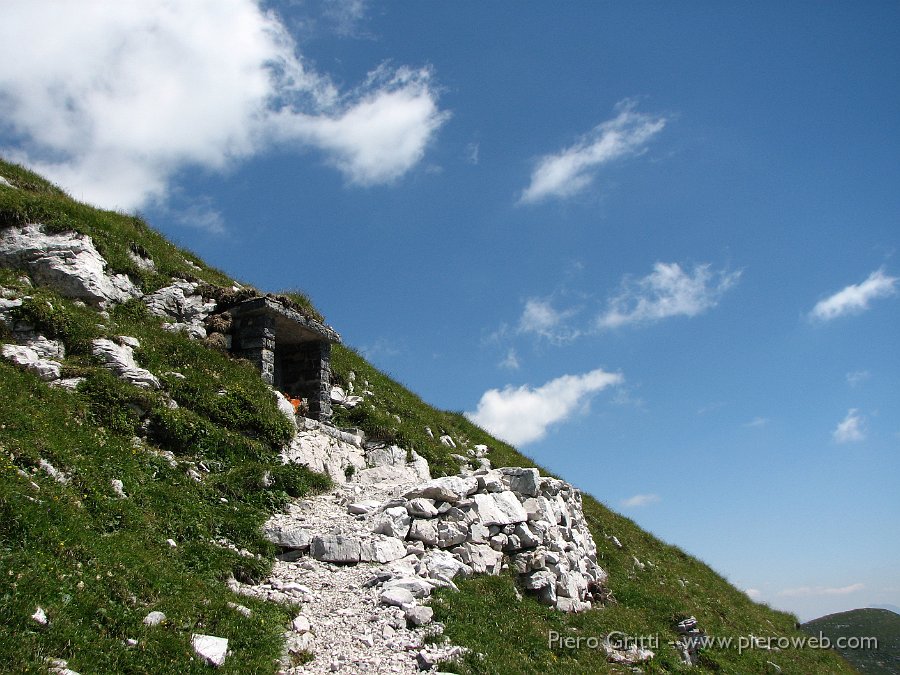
851 632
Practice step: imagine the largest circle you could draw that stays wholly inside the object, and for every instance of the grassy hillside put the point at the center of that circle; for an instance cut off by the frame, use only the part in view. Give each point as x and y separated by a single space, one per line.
97 563
881 624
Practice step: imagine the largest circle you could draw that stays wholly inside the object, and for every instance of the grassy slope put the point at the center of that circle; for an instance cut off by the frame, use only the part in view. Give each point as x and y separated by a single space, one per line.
882 624
78 533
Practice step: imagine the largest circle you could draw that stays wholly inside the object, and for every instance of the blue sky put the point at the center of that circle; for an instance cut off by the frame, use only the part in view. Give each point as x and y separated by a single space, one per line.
653 244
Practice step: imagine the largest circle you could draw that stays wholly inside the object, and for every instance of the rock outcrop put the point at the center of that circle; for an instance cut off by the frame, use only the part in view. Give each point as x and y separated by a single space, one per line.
68 262
181 303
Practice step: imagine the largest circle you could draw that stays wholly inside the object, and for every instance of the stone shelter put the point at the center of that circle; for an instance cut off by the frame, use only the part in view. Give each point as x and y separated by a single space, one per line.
292 351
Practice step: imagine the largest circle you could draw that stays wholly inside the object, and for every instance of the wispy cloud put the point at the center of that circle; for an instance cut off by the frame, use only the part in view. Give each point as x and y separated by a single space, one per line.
851 429
857 377
666 292
523 414
200 215
571 170
753 593
539 317
142 90
511 360
640 500
807 591
472 153
757 422
855 298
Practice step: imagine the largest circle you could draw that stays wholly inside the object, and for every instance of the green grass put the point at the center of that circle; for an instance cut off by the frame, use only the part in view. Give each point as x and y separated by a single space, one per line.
98 564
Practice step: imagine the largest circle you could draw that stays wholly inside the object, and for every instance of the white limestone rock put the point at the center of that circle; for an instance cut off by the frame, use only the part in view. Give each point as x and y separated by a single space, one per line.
393 522
285 407
324 453
40 617
499 508
210 648
441 563
363 507
68 262
181 303
424 531
118 488
154 619
419 587
287 535
119 358
448 489
42 345
420 507
7 306
382 549
28 359
481 558
419 615
336 548
301 624
522 480
397 596
451 533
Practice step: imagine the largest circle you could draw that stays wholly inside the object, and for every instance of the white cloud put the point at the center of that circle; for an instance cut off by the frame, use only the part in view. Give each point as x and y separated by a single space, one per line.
640 500
511 361
757 422
806 591
855 298
541 318
382 134
851 429
571 170
753 593
140 90
667 291
857 377
472 152
522 415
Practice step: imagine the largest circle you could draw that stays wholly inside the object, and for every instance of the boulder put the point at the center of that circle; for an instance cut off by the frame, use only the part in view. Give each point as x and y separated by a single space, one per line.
68 262
210 648
424 531
420 507
451 533
382 549
335 548
393 522
418 615
524 481
448 489
289 535
499 508
397 596
419 587
482 559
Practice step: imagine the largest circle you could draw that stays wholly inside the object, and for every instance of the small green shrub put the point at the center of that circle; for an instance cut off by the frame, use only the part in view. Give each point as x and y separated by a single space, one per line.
60 319
112 403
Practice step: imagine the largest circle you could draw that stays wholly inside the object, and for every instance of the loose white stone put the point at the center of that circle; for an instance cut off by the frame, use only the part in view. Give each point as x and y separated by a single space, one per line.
210 648
154 619
40 617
